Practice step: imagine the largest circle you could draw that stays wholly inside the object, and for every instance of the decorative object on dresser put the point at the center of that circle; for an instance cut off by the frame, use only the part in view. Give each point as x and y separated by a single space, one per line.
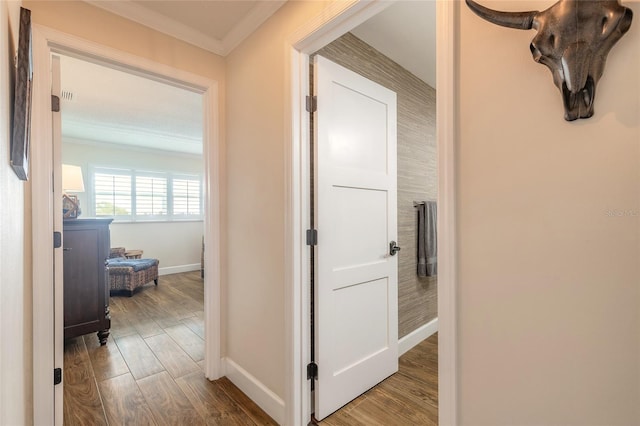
71 182
133 254
127 275
86 294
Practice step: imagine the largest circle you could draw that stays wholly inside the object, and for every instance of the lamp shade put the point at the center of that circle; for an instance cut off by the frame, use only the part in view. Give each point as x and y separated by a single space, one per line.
72 178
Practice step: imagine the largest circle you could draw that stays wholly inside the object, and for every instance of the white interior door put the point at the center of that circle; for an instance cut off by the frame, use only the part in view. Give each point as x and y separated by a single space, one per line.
57 226
356 278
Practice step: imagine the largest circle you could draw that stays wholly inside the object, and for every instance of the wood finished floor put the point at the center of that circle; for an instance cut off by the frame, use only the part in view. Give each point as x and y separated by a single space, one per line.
409 397
150 370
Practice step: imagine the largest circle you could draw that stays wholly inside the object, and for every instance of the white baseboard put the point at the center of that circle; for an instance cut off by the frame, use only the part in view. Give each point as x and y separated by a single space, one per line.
417 336
178 269
271 403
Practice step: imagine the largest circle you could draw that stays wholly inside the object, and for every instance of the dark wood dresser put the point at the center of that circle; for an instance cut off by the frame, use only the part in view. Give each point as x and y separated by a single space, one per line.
86 245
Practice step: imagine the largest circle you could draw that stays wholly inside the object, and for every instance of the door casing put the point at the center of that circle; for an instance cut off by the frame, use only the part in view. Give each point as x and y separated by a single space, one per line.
335 20
47 399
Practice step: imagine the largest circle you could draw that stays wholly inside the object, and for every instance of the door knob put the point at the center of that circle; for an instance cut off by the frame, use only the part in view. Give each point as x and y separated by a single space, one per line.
393 248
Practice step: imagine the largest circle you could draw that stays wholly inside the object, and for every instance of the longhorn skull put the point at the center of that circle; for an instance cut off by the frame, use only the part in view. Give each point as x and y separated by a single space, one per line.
573 41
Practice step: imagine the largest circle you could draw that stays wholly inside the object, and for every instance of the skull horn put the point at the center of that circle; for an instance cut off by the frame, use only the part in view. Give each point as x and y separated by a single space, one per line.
517 20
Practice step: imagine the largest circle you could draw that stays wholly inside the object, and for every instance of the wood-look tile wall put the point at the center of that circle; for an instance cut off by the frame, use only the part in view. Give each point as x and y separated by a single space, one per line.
417 173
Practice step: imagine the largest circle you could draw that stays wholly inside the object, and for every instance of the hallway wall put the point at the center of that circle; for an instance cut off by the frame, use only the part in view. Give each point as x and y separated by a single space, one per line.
256 208
548 291
15 247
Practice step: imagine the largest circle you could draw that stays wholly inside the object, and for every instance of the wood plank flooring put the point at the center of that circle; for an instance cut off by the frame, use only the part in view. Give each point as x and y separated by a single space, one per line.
409 397
150 370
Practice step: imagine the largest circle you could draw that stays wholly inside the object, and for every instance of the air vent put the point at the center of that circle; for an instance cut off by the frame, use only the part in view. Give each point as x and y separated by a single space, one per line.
66 95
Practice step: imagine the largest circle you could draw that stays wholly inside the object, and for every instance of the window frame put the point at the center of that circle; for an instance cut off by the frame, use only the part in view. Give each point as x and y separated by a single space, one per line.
134 183
187 177
93 196
134 174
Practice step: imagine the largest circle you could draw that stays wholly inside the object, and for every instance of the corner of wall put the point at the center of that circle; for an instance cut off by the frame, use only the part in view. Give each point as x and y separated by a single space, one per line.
271 403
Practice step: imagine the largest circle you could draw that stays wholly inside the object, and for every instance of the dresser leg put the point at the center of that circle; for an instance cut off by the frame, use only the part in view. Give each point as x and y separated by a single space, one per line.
102 336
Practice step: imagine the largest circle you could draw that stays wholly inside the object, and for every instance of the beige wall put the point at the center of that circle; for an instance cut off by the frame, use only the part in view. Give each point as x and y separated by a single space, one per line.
417 174
255 164
15 276
177 245
548 293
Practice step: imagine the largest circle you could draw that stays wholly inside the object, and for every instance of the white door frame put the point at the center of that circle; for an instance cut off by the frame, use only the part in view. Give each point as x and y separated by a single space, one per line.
47 407
337 19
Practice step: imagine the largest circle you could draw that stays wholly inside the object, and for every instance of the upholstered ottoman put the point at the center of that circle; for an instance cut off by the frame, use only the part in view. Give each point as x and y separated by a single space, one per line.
127 275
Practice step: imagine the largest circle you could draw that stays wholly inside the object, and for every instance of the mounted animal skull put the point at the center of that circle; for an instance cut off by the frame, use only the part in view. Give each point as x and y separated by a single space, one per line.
573 41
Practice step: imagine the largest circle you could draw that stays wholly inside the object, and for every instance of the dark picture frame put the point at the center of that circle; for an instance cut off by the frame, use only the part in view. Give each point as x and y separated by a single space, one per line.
70 206
22 101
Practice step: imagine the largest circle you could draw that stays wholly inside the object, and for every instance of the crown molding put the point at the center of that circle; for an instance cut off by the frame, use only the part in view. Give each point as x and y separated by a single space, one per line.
130 136
164 24
140 14
70 140
256 17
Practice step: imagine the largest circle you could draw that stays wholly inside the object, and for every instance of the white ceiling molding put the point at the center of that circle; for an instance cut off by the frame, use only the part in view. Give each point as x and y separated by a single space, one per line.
164 24
259 13
129 148
161 23
125 136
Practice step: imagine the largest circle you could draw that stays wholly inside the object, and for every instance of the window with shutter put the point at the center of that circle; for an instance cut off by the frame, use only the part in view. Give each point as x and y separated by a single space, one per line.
136 195
112 194
186 196
151 196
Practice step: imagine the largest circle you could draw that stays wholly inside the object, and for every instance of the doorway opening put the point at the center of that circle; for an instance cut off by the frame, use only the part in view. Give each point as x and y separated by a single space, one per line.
410 166
137 144
404 153
48 307
307 41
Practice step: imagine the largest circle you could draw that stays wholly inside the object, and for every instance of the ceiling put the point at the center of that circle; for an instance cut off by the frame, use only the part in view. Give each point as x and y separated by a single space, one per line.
110 106
214 25
406 33
100 104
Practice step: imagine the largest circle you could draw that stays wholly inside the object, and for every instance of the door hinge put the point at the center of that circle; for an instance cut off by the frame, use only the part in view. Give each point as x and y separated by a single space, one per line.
57 376
57 239
55 103
312 237
312 371
312 103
